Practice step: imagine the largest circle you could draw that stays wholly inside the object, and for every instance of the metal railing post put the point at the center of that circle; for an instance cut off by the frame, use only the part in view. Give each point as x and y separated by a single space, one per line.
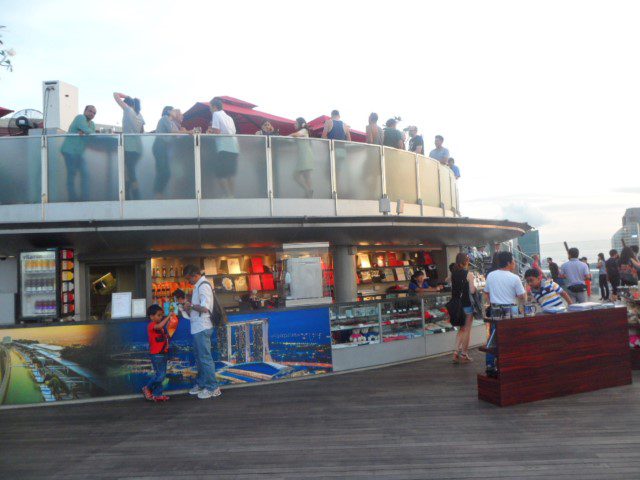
451 194
121 179
334 182
383 175
44 175
418 192
269 173
440 192
197 165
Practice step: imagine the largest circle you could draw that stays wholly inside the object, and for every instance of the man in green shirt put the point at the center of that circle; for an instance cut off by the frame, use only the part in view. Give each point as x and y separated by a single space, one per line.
72 150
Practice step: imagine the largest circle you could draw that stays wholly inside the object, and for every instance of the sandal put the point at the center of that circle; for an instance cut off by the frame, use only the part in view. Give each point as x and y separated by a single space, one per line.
465 358
456 357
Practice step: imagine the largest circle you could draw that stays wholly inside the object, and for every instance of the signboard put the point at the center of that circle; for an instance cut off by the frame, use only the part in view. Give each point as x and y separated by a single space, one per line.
121 305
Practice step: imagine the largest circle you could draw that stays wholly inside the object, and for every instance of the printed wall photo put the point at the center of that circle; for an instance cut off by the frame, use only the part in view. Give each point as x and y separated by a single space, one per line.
49 364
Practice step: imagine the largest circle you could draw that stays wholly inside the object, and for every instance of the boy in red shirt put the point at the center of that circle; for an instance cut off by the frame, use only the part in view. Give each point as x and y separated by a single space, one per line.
158 348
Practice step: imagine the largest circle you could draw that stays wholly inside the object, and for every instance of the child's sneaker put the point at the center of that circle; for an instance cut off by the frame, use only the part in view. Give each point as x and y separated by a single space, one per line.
161 398
195 390
147 394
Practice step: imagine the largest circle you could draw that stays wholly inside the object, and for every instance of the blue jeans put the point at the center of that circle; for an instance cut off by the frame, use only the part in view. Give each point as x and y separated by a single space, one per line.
206 377
159 363
76 165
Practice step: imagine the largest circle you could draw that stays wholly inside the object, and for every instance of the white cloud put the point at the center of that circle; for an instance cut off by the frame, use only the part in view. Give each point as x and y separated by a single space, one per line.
525 212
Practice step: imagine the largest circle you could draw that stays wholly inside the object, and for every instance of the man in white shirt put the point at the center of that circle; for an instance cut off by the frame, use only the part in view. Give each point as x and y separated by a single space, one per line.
226 151
503 290
199 311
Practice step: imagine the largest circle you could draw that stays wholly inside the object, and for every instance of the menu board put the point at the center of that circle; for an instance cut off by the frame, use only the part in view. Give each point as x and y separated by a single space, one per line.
121 305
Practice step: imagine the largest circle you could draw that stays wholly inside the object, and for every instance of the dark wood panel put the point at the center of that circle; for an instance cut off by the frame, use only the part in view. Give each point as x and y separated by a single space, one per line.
556 355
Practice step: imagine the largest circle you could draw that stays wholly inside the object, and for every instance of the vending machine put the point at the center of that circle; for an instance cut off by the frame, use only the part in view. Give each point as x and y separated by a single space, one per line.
46 280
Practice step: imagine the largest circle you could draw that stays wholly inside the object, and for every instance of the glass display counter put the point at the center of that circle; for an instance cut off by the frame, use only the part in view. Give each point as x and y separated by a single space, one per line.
365 334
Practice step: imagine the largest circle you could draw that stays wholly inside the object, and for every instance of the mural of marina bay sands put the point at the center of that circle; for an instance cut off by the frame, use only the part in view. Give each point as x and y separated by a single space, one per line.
57 363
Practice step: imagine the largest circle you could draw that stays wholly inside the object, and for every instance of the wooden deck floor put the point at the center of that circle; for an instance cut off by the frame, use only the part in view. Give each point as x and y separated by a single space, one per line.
414 421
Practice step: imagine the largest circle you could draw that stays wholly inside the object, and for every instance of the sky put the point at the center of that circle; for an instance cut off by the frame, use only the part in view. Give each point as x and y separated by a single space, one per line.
538 101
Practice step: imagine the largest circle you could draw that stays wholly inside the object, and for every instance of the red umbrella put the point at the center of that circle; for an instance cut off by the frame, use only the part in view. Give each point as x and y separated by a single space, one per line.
247 120
4 111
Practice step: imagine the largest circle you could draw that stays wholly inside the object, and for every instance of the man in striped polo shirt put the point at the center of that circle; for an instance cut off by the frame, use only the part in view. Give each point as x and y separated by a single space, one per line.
546 292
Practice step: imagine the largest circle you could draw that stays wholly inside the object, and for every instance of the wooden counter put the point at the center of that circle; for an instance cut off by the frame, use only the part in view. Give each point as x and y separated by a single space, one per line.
553 355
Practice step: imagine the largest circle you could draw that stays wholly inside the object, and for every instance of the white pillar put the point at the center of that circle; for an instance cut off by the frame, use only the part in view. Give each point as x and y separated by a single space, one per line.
344 272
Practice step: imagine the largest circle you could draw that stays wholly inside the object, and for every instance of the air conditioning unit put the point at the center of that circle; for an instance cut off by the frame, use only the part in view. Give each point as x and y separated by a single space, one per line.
60 102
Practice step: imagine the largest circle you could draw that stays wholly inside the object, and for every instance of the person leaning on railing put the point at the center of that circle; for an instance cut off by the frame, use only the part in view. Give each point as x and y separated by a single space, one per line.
439 153
375 135
393 136
305 162
336 129
160 150
132 123
416 142
73 149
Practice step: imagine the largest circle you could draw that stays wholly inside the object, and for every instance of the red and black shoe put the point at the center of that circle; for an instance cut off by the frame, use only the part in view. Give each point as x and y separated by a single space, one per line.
161 398
148 395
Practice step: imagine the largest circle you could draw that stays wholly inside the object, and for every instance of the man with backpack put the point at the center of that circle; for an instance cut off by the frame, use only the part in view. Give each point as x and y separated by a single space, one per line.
200 310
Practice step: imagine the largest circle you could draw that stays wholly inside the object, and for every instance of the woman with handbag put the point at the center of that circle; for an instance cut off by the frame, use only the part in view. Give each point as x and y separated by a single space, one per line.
461 312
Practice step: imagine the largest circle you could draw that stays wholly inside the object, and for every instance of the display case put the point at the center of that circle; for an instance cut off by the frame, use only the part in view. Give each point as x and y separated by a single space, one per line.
393 319
383 274
402 318
354 325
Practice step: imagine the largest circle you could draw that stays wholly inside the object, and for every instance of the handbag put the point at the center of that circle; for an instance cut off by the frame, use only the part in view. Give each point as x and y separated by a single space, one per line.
456 314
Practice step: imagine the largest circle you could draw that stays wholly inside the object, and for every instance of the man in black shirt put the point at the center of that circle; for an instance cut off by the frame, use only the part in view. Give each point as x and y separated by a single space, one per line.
416 142
613 274
553 269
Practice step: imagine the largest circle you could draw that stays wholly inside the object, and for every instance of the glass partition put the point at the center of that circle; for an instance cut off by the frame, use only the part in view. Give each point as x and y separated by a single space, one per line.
445 186
20 170
233 166
429 187
454 190
83 168
301 167
358 171
400 174
159 167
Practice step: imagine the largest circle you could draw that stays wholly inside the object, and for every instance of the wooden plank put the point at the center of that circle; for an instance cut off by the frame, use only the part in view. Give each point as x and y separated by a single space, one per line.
412 421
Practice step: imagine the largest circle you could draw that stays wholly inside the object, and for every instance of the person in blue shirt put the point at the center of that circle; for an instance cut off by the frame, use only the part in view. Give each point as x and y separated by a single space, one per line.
420 284
336 129
452 165
73 152
439 153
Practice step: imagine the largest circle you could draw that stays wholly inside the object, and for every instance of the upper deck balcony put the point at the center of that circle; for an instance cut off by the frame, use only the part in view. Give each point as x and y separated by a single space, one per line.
112 177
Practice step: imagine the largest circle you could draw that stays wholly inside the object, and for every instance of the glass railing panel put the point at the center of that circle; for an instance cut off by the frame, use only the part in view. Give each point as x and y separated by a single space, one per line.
20 170
301 167
454 192
445 186
358 171
429 187
400 174
233 166
159 167
82 168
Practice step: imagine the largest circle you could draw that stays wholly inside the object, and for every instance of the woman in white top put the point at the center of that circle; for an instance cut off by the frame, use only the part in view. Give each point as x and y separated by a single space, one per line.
305 163
132 124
